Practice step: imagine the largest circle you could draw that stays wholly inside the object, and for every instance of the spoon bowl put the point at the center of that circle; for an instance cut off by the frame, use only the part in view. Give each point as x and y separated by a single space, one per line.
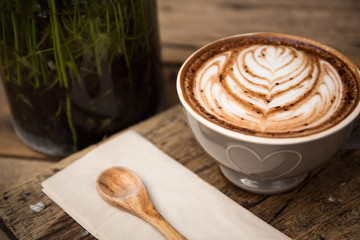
122 188
118 183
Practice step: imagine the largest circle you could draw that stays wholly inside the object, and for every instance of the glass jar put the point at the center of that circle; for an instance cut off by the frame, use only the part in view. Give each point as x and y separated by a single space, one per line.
76 71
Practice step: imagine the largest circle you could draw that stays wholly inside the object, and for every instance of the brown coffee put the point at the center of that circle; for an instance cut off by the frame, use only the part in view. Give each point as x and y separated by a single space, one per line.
271 85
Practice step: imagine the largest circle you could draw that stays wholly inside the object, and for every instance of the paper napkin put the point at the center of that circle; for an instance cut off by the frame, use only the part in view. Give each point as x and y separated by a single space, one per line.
195 208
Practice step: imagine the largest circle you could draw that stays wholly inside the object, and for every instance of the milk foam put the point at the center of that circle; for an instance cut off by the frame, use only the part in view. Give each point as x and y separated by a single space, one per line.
268 88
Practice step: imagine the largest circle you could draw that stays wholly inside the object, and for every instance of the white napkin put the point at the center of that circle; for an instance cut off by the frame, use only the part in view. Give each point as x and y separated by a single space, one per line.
195 208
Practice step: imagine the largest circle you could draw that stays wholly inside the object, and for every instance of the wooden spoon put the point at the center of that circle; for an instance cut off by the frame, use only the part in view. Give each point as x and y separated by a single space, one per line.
121 187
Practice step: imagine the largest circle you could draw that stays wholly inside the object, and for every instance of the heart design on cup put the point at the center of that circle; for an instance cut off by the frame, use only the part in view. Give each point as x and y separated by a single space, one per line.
273 165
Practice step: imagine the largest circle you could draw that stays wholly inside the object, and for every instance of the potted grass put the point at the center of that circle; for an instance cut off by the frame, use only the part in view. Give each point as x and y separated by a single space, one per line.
76 71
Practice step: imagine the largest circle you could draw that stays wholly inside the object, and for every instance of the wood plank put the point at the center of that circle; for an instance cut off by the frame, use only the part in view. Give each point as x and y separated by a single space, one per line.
186 27
14 170
170 72
49 223
325 206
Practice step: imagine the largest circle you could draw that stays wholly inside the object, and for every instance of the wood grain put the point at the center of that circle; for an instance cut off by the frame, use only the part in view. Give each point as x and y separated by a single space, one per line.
325 206
17 169
187 25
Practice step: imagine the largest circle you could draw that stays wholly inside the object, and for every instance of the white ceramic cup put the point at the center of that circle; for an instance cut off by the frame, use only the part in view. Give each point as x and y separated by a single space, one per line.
262 164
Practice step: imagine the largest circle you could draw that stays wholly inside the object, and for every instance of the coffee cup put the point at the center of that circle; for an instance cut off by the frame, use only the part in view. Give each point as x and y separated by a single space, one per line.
269 107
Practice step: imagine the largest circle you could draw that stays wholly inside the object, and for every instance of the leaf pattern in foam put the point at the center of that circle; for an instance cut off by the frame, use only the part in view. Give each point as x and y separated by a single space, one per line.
268 85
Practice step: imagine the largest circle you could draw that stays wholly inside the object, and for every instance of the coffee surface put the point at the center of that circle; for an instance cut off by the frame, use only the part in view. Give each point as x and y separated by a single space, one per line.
270 86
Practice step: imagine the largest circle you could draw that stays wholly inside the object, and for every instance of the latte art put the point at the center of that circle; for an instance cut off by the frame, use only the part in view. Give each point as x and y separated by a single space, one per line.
269 88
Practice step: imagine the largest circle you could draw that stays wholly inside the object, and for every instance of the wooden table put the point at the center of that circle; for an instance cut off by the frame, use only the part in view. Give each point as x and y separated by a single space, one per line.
325 206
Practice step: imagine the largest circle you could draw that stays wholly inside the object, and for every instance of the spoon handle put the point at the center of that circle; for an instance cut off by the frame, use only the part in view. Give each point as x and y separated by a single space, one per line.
164 227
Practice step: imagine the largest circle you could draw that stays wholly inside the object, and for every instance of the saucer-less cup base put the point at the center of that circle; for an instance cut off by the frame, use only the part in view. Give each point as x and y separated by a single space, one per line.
265 166
262 187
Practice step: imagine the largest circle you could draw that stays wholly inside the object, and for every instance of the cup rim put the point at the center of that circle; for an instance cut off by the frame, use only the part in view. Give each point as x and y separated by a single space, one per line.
355 113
